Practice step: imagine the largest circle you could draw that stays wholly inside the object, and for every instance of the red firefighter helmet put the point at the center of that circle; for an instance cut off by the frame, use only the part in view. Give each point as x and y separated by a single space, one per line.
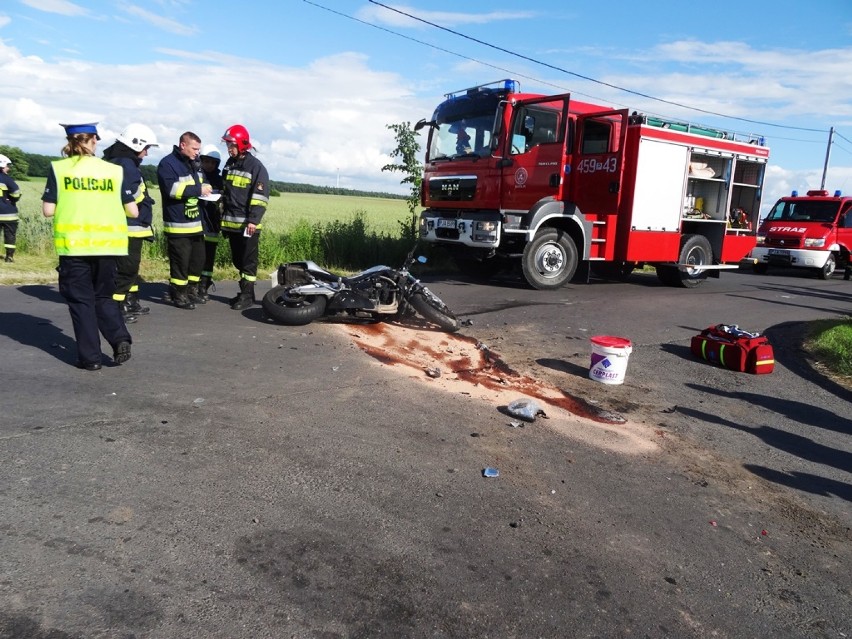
239 135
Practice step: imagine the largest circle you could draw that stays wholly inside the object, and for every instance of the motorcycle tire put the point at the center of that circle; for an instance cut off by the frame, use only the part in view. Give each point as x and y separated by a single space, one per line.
296 310
434 310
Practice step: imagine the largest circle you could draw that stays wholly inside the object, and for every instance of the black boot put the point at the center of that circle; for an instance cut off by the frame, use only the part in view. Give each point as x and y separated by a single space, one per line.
246 297
126 311
193 290
180 297
10 255
135 306
204 285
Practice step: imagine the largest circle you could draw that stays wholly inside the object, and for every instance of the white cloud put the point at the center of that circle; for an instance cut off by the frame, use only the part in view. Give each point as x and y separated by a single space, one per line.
305 121
166 24
62 7
381 15
4 20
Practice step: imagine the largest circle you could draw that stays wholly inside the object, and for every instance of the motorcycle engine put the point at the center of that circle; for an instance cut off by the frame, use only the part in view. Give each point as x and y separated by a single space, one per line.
383 292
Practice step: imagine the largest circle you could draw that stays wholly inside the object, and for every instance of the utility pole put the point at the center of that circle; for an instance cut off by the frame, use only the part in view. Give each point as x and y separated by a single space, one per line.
827 156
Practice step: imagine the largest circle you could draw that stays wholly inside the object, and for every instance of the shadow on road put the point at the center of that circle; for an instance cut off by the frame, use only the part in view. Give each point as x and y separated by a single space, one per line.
803 481
40 333
791 443
42 292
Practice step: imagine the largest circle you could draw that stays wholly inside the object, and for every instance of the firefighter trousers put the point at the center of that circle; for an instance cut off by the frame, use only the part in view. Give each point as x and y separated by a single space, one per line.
127 274
87 284
244 254
9 231
186 258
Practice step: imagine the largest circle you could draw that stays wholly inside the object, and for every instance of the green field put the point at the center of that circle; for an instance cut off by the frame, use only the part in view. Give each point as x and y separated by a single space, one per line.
338 231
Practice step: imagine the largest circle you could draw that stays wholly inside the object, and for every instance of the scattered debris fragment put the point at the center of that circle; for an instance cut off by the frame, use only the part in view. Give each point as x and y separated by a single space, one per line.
525 409
490 472
467 322
433 372
515 424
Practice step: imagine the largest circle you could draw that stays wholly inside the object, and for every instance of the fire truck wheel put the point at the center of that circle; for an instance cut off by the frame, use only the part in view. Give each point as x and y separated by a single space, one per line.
694 250
760 268
827 271
550 260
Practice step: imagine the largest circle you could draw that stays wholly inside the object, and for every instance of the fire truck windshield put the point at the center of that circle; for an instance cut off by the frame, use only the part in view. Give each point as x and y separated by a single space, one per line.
804 211
466 136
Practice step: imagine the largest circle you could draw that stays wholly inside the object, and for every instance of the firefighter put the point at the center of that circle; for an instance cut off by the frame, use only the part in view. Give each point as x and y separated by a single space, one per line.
245 201
211 217
89 206
9 196
181 184
128 151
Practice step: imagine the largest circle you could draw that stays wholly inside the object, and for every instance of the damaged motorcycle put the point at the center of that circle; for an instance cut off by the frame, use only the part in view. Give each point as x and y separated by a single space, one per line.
306 292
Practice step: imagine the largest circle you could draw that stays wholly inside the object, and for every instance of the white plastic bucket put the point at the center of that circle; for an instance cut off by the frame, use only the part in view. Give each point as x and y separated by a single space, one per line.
609 359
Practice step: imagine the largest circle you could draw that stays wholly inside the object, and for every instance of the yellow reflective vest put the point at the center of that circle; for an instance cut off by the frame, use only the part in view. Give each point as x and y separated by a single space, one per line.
89 217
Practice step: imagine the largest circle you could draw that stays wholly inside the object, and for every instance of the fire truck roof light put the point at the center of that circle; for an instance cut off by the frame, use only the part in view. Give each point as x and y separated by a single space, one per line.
837 193
794 194
818 193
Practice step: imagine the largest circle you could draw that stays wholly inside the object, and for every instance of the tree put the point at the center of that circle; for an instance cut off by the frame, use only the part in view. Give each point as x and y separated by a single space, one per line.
20 166
407 149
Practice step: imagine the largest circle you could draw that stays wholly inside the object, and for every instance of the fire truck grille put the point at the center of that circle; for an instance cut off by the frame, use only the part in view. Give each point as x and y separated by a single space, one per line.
788 243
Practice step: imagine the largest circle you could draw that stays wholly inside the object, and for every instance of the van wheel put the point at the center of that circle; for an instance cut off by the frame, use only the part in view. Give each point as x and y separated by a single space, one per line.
550 260
828 269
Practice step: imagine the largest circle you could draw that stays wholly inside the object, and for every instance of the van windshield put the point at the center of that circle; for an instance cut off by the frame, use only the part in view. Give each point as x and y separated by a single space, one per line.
804 211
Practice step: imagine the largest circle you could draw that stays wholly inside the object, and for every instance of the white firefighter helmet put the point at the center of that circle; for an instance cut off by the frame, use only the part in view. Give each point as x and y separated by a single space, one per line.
210 151
138 137
4 161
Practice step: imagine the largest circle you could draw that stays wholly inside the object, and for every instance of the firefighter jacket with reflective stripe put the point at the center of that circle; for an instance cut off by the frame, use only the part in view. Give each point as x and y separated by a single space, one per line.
134 183
9 196
89 217
180 187
246 193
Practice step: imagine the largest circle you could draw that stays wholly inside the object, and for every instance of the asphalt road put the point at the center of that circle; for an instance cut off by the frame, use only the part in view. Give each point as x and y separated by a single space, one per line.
238 478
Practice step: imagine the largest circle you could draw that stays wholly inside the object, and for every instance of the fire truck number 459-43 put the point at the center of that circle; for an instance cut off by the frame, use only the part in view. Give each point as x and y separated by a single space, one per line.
551 182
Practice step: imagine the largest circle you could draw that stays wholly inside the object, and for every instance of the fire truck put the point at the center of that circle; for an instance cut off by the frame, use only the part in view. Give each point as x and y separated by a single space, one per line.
553 182
812 232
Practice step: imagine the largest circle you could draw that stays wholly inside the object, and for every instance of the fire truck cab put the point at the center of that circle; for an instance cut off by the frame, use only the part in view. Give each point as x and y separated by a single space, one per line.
552 182
812 232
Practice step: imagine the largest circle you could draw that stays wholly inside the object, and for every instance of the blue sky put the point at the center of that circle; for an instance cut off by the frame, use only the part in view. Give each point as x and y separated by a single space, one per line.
317 82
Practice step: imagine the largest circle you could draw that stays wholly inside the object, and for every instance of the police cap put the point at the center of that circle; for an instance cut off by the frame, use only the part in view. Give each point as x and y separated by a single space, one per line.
74 129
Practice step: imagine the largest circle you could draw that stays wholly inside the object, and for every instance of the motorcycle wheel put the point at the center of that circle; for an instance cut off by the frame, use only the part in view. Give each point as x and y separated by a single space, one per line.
434 310
293 310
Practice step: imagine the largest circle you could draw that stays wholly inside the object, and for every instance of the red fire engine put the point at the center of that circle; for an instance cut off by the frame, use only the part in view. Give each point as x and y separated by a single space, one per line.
812 231
552 182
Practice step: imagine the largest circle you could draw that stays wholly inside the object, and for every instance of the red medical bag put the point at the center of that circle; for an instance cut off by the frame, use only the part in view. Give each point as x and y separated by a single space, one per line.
735 349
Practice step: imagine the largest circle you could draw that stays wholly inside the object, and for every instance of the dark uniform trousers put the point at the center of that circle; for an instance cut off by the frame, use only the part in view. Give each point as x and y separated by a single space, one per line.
87 284
244 252
186 258
9 231
128 267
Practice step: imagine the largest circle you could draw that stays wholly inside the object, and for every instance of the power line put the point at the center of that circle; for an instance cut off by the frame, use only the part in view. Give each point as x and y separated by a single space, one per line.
590 79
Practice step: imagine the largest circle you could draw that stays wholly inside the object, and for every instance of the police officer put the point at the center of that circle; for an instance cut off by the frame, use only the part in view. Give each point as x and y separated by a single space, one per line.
181 185
211 217
245 201
84 196
128 151
9 196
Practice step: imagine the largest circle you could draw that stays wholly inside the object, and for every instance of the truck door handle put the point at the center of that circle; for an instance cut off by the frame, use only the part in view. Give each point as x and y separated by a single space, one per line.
554 180
614 187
